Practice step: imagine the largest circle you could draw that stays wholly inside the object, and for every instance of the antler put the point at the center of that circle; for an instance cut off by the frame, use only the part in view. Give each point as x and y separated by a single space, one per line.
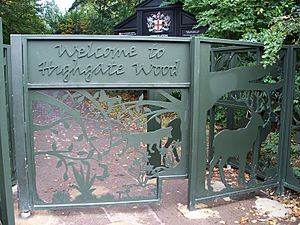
254 100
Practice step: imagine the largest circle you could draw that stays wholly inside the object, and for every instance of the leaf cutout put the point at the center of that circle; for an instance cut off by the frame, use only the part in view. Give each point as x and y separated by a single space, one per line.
54 146
71 147
103 96
59 164
93 138
71 163
65 177
66 125
79 179
141 98
81 153
80 137
90 155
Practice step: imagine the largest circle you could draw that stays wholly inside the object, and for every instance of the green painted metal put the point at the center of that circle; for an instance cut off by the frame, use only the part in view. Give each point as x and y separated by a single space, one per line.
243 84
99 147
106 62
291 144
6 205
8 87
76 86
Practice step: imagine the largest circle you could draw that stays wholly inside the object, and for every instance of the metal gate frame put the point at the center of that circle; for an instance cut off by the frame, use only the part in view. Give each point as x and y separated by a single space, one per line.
200 51
21 89
8 84
287 178
201 80
6 205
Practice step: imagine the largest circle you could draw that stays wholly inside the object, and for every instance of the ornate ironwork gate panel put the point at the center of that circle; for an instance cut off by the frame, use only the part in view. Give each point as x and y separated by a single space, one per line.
6 208
229 82
90 105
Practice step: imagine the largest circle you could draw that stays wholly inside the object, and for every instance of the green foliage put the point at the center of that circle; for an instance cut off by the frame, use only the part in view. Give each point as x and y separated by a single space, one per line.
74 22
21 16
282 29
296 171
51 15
272 22
87 16
95 17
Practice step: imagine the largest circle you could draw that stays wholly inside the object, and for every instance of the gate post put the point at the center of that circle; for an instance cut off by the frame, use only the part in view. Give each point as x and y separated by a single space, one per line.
19 123
200 69
6 205
286 117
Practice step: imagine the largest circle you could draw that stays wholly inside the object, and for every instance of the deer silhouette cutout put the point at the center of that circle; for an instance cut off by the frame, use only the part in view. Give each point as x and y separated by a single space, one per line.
236 143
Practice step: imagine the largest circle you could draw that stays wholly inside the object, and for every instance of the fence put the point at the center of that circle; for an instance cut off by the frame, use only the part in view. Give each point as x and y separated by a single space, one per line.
109 118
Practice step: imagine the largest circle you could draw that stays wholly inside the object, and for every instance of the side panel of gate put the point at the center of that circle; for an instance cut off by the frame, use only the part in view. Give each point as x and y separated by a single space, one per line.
86 113
291 177
8 83
240 154
6 205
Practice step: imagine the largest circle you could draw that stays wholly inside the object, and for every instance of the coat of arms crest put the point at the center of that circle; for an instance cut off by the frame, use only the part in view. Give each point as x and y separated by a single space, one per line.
158 22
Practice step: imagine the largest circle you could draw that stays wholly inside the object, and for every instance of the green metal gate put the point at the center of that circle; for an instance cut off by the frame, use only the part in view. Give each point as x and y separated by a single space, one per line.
6 208
291 176
88 134
83 130
8 88
230 78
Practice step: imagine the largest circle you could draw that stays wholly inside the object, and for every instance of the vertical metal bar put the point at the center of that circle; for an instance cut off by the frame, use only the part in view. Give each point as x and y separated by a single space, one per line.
257 144
230 110
19 123
198 157
211 132
211 114
286 117
7 211
8 78
13 151
194 144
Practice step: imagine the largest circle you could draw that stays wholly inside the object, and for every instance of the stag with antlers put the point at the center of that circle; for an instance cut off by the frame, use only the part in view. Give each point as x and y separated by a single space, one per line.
238 143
